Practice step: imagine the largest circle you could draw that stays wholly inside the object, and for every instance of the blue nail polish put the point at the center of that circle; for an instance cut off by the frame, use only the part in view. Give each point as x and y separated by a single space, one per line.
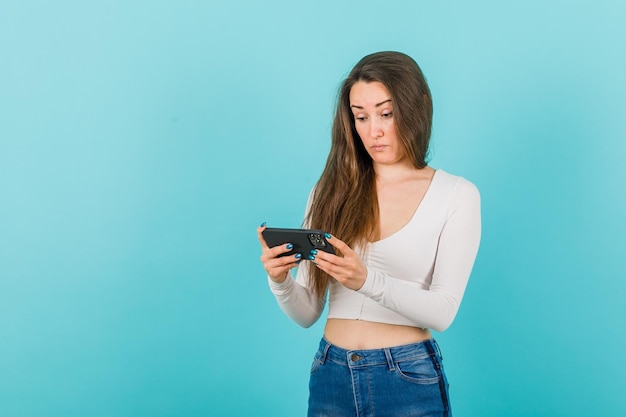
263 224
313 252
289 246
311 258
327 235
298 256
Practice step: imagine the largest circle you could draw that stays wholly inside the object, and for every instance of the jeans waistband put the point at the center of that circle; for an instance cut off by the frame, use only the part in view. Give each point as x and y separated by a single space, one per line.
370 357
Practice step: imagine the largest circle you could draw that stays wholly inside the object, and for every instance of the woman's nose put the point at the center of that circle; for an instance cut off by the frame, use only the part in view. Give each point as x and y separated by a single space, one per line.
376 129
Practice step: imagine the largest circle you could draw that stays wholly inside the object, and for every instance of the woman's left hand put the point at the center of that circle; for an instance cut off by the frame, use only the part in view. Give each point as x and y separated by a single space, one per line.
348 269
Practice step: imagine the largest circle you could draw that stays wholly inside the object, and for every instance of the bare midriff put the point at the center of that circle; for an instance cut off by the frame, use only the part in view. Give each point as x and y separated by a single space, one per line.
359 334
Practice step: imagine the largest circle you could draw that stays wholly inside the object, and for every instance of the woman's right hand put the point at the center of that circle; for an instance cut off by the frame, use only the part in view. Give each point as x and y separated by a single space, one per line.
277 267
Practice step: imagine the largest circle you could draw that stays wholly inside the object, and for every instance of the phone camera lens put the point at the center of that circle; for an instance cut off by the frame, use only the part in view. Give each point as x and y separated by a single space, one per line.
317 240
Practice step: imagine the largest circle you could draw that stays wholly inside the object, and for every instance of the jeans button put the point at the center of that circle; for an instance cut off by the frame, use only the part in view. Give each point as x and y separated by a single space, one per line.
355 357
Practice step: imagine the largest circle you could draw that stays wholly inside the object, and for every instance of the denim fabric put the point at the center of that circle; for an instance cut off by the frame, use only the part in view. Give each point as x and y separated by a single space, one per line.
400 381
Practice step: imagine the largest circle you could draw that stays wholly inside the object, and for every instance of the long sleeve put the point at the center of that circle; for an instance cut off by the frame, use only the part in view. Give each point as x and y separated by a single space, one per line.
436 306
297 299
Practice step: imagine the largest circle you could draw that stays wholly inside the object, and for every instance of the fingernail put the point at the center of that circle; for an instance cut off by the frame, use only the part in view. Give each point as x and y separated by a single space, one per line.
289 246
327 235
298 256
263 224
313 252
311 258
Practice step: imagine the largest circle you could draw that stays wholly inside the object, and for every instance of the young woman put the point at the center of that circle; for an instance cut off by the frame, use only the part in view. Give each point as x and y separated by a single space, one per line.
406 236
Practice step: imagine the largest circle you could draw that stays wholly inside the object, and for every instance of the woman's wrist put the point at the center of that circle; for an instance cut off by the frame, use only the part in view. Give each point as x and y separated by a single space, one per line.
278 280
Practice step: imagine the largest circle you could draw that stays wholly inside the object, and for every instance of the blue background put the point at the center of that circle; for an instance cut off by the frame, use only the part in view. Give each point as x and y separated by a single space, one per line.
142 143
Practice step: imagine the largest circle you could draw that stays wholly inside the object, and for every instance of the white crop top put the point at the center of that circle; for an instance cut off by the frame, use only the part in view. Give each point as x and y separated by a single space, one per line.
415 277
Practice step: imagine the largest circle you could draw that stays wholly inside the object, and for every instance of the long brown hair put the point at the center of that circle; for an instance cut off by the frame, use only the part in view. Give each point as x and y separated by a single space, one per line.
344 202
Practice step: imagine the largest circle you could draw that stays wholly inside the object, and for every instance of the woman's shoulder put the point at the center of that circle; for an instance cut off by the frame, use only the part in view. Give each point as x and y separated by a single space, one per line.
456 185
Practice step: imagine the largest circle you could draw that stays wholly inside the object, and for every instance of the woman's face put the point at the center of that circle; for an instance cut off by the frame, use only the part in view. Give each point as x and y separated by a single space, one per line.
372 108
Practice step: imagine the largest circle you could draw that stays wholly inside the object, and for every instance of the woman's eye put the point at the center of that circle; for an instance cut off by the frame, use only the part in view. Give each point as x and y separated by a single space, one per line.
387 115
360 118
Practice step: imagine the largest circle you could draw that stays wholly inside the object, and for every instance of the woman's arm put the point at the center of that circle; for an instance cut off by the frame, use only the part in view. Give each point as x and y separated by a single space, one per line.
437 306
296 297
297 300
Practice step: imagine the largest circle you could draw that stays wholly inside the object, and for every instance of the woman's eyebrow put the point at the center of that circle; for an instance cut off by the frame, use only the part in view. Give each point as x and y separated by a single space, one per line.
376 105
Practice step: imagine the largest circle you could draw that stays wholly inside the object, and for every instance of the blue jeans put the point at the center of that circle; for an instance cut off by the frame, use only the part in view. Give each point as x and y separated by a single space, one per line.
399 381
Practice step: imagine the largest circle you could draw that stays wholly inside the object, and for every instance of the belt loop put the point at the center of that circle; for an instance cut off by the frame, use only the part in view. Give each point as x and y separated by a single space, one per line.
325 352
437 349
389 359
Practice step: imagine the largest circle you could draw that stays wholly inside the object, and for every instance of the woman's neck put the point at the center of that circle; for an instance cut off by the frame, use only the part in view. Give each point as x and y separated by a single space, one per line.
388 174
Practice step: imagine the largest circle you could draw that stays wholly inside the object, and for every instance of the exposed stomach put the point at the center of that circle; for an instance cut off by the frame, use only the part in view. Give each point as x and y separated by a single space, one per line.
359 334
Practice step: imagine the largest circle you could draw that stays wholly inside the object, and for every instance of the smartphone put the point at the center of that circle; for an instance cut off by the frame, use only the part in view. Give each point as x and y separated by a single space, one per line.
303 240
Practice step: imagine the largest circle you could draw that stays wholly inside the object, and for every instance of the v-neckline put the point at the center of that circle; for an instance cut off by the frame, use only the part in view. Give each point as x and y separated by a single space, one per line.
417 210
